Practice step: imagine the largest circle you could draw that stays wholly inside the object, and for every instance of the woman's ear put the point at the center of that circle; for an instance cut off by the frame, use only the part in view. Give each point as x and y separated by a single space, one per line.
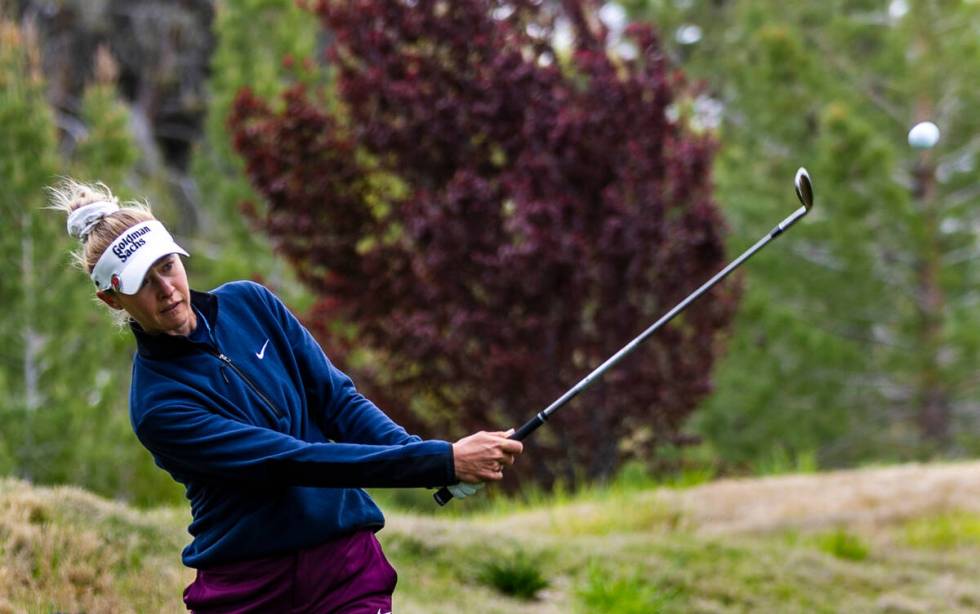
109 298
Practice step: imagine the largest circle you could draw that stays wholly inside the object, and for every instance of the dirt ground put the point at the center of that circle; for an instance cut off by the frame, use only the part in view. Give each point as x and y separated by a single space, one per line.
865 497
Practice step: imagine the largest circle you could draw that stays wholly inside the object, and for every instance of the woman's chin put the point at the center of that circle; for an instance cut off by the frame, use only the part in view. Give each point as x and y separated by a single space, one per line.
177 321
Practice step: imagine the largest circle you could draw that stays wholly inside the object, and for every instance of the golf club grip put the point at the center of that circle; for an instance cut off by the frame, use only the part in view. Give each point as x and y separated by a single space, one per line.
527 428
443 496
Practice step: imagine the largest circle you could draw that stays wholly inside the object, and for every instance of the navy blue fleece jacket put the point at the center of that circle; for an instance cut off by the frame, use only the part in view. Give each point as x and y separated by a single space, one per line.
270 440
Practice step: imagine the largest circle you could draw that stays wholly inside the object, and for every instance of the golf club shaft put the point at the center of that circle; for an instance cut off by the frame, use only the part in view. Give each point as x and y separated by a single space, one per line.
443 496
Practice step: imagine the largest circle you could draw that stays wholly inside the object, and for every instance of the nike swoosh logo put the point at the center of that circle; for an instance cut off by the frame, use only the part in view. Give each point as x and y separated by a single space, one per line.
261 353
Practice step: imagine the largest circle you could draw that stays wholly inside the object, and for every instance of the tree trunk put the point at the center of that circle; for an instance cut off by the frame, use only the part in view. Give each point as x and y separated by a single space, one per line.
32 393
932 397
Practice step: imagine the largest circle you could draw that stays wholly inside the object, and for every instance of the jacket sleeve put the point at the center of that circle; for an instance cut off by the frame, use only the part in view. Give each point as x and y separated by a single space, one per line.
190 440
343 413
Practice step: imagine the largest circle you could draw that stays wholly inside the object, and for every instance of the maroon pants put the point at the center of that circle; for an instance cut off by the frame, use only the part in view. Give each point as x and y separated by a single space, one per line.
349 575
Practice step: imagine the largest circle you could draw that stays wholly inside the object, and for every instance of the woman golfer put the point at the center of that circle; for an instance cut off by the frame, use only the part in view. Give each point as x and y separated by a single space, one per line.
235 399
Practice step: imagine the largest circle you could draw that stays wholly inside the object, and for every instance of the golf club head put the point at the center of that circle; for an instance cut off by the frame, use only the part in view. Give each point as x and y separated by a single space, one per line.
804 188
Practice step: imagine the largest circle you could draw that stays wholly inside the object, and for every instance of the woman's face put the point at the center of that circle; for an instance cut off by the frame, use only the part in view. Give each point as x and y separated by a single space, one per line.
163 303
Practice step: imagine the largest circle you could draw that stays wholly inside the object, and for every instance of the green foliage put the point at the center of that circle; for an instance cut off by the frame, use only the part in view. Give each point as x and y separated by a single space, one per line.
64 395
691 469
843 545
33 252
266 64
517 574
945 531
105 456
603 591
780 461
107 150
412 500
858 333
633 476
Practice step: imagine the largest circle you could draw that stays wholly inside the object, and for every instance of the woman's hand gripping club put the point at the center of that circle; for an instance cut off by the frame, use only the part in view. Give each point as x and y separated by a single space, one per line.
481 457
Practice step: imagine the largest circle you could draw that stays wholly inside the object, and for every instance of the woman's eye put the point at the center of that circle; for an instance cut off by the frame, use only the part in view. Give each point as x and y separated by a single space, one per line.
167 267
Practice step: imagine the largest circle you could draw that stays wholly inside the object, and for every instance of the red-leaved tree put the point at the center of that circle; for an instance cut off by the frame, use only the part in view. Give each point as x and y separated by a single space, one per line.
495 219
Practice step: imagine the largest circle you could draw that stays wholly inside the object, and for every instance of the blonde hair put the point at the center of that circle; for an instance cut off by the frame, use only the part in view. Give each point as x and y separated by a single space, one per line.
70 195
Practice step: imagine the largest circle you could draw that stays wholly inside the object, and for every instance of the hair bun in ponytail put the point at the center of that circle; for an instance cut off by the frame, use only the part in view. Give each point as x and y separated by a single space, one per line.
83 219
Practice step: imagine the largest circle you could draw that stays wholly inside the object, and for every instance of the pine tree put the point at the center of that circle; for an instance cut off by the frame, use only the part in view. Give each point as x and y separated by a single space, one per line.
267 64
860 338
105 455
66 366
29 248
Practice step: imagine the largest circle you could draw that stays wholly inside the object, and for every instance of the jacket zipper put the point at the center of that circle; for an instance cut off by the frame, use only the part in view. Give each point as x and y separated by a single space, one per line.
278 412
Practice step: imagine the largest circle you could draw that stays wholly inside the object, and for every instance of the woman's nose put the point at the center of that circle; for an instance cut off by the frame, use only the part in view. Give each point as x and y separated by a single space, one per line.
164 286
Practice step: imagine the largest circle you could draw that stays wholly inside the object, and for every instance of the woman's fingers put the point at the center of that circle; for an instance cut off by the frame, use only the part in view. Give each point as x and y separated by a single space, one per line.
511 446
482 456
507 451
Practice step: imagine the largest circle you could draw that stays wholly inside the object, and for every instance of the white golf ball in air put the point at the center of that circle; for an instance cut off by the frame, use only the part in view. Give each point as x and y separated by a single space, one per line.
923 135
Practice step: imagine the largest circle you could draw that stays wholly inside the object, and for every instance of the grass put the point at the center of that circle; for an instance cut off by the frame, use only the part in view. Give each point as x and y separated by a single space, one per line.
780 461
62 549
631 479
843 545
603 590
946 531
517 575
894 539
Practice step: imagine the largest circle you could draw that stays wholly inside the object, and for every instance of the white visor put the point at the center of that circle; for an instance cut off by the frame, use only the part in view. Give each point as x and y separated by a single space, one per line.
124 264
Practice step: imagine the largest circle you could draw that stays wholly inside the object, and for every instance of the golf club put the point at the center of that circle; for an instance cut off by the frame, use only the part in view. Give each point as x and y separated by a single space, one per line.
804 191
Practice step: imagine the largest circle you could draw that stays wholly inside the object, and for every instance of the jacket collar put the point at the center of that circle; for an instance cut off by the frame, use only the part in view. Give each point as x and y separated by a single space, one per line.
169 346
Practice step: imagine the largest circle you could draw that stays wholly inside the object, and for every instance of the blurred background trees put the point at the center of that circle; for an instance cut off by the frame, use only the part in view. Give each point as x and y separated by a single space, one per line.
866 326
65 367
856 339
495 218
265 45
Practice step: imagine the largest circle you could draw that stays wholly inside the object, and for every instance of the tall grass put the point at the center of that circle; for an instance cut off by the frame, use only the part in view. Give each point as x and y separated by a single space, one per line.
518 575
66 550
604 591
